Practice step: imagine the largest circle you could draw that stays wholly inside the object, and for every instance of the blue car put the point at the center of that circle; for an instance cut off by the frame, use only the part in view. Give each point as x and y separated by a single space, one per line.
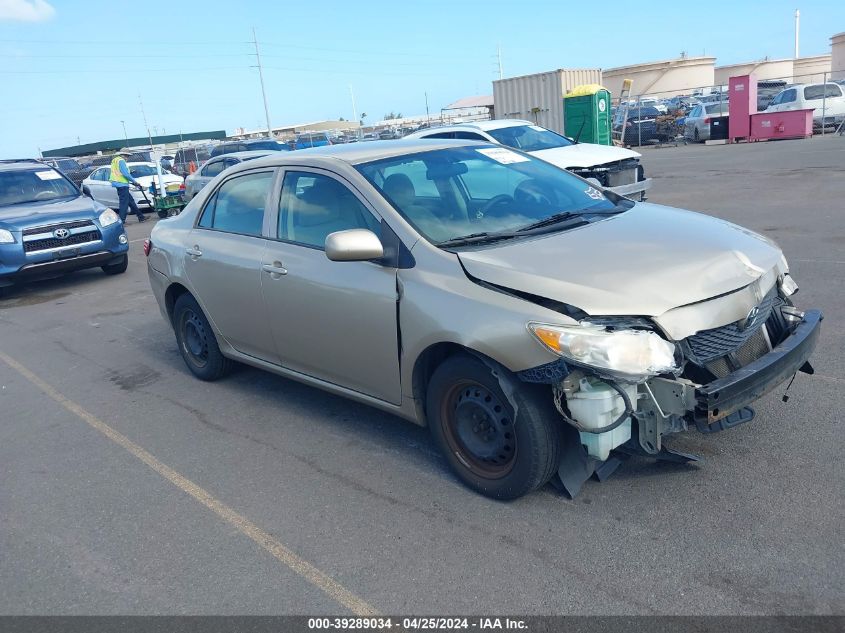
47 226
312 139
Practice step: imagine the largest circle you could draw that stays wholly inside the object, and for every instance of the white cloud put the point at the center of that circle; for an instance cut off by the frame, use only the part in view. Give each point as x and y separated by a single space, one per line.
26 10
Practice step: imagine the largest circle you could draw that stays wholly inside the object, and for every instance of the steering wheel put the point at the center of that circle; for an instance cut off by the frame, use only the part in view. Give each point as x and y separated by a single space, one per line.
532 192
495 201
41 195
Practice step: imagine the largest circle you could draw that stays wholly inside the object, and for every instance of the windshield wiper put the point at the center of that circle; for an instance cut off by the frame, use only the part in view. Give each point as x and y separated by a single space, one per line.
476 238
552 219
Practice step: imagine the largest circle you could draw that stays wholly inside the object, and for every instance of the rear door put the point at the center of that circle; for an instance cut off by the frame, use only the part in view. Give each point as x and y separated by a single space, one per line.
100 187
223 261
336 321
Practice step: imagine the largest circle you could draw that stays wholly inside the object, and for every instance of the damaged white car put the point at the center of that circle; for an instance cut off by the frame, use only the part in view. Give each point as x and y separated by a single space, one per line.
539 326
615 168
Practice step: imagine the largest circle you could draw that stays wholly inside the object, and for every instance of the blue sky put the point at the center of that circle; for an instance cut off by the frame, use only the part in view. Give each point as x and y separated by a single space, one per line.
75 68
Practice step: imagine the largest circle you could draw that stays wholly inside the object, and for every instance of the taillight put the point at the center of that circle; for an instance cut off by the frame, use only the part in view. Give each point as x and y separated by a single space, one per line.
182 187
148 245
707 120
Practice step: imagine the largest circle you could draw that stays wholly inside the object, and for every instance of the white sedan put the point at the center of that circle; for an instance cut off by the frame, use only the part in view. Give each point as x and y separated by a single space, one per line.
614 168
98 186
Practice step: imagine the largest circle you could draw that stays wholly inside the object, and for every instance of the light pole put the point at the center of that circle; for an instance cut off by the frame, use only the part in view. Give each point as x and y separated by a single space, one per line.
125 137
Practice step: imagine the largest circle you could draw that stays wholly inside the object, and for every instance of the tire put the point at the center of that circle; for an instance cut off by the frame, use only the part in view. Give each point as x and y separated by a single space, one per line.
491 450
695 135
162 214
117 269
197 342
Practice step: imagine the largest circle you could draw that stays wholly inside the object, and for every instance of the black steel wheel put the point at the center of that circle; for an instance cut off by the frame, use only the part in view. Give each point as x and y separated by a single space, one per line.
479 429
501 446
196 340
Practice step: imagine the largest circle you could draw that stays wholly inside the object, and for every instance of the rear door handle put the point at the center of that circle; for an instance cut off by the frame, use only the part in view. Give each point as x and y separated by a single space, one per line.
194 252
274 269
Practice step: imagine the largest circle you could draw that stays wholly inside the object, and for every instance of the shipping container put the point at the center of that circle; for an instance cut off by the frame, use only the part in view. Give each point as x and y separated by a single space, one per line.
539 98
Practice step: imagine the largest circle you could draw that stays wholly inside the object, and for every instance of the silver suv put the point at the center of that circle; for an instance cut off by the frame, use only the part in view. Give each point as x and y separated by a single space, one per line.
534 322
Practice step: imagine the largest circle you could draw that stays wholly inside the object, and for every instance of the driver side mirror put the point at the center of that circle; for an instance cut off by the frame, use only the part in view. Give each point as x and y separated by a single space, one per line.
354 245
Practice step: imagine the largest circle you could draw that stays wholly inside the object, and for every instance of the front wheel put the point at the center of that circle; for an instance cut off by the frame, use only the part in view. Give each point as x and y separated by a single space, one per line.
162 213
197 342
118 268
503 448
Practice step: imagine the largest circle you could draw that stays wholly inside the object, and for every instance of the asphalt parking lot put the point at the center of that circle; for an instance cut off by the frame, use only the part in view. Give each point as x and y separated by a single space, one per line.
127 486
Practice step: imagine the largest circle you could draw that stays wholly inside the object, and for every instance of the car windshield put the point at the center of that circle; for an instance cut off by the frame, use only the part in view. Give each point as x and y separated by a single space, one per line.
529 138
68 164
459 192
18 187
139 171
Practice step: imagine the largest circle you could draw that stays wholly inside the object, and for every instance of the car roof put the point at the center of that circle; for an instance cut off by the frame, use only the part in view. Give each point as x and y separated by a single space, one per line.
484 126
22 164
481 126
357 153
246 154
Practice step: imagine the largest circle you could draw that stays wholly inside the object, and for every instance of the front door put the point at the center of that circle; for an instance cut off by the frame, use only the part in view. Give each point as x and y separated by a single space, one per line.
223 262
331 320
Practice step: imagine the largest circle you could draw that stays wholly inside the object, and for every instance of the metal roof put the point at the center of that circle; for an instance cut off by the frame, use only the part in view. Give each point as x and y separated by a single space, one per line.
110 146
480 101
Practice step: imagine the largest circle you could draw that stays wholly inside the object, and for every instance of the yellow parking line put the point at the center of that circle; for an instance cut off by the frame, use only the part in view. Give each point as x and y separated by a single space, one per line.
299 565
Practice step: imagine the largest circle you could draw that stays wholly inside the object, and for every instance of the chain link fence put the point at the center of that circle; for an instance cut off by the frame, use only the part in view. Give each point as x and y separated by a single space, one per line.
700 114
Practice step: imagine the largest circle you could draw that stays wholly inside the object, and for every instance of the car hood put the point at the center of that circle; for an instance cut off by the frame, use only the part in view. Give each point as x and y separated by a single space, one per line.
21 216
584 155
642 262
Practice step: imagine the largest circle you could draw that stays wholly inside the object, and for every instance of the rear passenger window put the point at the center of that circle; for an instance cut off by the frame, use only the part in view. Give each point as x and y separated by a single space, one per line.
821 91
238 205
212 169
441 135
469 136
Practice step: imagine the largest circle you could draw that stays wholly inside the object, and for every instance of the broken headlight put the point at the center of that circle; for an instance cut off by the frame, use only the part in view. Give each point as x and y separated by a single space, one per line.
631 354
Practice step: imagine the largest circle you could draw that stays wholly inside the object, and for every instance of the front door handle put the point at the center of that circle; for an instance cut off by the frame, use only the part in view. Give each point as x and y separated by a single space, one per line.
194 252
275 269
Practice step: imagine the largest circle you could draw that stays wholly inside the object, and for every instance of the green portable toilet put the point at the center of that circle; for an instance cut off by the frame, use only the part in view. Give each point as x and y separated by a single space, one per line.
586 114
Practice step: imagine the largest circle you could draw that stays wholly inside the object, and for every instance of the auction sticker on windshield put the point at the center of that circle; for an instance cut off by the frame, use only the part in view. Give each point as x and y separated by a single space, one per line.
48 175
502 155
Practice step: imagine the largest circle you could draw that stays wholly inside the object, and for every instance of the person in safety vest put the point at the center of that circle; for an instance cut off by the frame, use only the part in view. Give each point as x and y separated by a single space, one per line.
120 179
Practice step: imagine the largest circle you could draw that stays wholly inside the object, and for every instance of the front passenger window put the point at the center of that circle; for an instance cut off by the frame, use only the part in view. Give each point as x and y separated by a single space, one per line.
238 205
312 206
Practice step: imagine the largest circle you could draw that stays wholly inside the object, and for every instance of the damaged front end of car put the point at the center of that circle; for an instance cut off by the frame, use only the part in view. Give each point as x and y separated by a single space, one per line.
625 177
625 383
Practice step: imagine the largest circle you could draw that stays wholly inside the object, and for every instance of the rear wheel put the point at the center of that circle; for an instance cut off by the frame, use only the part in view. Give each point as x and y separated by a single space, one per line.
197 342
495 449
117 269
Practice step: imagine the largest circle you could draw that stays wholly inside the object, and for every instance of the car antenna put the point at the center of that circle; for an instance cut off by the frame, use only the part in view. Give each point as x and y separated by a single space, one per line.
583 123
